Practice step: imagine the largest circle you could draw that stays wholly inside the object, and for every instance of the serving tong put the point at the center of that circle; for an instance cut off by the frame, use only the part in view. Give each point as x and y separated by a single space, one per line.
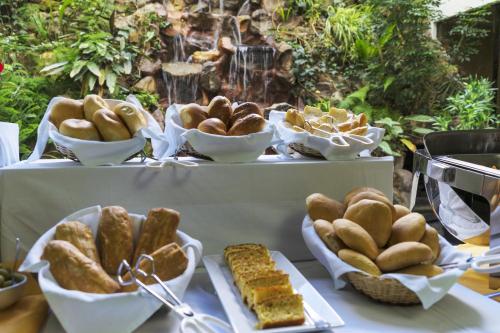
198 322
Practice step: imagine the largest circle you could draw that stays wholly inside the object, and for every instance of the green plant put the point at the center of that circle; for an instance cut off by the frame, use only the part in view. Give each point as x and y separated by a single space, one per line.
395 142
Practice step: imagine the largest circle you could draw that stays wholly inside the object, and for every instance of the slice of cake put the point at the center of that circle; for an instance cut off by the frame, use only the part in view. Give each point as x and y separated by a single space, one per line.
261 294
280 311
272 279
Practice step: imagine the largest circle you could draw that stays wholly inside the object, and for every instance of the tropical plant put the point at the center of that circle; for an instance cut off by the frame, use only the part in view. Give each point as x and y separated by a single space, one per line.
395 142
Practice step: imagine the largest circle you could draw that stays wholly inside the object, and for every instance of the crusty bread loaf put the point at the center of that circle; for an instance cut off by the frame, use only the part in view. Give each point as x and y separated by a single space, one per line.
80 235
75 271
286 310
66 108
403 255
356 238
359 261
409 228
79 129
319 206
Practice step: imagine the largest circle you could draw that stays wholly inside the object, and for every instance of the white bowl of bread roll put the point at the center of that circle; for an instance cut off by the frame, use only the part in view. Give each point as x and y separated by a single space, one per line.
77 262
107 129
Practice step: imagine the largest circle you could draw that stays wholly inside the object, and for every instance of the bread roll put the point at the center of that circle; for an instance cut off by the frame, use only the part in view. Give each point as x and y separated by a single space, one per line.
356 238
220 107
358 130
159 229
409 228
170 261
115 238
92 103
65 108
192 115
431 239
319 206
339 115
326 232
374 216
133 118
247 125
400 211
372 196
80 129
295 118
80 235
357 190
213 126
403 255
245 109
110 126
422 269
359 261
75 271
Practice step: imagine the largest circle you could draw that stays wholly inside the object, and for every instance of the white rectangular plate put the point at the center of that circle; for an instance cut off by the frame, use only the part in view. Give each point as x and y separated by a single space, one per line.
244 320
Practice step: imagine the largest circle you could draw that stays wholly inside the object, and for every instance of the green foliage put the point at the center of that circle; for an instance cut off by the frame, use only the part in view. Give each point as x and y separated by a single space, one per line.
465 37
149 101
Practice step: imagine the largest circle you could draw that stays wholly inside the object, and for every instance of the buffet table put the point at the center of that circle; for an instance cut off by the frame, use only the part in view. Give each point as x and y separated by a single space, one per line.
462 310
219 203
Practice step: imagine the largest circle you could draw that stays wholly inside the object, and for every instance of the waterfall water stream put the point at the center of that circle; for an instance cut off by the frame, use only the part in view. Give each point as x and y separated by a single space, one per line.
179 54
244 9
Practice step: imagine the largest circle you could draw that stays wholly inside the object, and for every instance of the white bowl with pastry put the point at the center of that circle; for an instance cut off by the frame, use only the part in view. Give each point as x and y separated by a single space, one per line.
385 251
95 131
221 131
336 135
77 261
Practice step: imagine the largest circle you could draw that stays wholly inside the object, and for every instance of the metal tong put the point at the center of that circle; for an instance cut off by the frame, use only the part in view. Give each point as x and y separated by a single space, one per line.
488 263
189 319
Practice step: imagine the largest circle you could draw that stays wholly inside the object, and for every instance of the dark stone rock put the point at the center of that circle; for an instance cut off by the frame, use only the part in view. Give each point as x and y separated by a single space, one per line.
210 80
149 67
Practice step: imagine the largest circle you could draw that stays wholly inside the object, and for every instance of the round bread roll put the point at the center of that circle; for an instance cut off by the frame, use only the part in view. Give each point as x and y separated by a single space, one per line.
92 103
357 190
400 212
359 261
220 107
374 216
431 239
66 108
245 109
355 237
213 126
319 206
403 255
409 228
132 117
110 126
326 232
192 115
372 196
79 129
422 269
247 125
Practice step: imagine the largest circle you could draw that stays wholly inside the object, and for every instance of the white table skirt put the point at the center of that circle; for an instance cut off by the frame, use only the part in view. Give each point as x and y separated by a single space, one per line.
462 310
220 204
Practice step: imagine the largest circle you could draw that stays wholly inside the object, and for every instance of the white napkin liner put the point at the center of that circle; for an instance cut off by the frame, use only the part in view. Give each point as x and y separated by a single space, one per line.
325 146
226 149
9 144
81 312
93 153
428 290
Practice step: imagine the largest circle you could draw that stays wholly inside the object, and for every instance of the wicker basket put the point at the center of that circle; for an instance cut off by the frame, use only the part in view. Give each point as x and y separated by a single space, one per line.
68 153
382 290
188 149
306 151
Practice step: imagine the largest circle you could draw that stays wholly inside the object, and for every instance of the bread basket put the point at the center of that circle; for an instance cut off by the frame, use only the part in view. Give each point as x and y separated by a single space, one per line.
306 151
68 153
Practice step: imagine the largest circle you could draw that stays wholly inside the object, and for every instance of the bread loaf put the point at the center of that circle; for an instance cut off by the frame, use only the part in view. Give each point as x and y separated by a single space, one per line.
80 235
75 271
356 238
213 126
372 196
159 229
357 190
403 255
319 206
359 261
400 211
374 216
295 118
79 129
247 125
110 125
431 239
409 228
422 269
220 107
66 108
326 232
115 238
133 118
192 115
245 109
92 103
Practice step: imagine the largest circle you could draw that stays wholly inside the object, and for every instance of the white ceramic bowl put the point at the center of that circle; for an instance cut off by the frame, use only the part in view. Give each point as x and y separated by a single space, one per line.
12 294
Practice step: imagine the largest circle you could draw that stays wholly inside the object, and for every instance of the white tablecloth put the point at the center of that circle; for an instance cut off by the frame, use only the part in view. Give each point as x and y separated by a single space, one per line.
462 310
219 203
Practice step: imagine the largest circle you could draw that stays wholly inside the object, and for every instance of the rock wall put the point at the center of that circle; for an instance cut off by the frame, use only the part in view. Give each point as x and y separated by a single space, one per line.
216 47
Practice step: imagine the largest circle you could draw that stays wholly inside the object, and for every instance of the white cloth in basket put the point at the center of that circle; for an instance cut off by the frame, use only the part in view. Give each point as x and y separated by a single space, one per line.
81 312
92 153
429 291
327 147
229 149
